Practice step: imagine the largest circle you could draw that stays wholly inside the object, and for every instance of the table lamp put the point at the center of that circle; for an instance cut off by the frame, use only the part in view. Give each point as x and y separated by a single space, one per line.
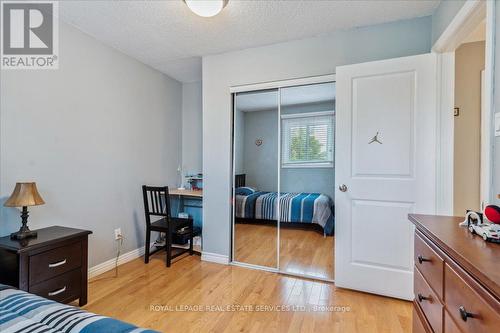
24 195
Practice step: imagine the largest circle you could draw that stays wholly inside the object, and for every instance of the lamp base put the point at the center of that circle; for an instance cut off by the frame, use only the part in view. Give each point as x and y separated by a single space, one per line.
24 232
23 235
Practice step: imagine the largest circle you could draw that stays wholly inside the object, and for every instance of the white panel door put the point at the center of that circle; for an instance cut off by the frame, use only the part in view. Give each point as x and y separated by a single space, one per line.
385 168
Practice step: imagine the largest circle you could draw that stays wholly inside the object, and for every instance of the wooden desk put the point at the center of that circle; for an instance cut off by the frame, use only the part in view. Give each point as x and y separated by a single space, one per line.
186 193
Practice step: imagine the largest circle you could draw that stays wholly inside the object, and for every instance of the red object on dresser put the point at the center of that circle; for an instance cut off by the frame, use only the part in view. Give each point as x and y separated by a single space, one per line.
492 212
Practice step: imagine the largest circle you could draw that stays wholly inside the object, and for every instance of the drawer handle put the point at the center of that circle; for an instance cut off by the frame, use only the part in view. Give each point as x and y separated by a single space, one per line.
421 259
57 264
57 292
422 298
464 314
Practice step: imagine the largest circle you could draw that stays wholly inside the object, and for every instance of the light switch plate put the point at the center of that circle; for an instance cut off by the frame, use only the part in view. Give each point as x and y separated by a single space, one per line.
497 124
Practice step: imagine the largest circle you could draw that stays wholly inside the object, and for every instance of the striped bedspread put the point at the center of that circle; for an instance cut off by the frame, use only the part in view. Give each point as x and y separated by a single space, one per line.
294 207
21 312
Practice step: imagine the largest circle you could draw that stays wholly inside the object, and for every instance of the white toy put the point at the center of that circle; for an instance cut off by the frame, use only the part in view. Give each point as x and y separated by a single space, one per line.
488 231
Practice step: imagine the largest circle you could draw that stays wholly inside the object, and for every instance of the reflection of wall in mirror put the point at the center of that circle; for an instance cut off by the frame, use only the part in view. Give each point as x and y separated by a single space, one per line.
260 163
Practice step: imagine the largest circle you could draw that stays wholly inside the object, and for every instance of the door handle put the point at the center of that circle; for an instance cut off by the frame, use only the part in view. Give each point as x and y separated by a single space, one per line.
343 188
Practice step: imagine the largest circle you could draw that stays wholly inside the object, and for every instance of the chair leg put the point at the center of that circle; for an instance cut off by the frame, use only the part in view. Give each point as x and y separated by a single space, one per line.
191 244
191 237
169 247
146 246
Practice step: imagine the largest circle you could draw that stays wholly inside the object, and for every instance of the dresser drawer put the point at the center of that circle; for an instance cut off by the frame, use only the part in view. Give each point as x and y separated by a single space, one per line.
419 323
61 288
430 264
463 295
449 324
428 302
46 265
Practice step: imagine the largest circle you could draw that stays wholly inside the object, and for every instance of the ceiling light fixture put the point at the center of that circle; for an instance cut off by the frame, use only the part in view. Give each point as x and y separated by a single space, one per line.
206 8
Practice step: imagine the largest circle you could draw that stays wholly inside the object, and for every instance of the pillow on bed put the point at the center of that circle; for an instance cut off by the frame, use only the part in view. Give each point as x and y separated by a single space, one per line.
244 190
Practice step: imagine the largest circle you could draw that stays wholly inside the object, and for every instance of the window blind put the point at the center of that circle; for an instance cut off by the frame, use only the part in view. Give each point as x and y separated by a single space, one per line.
307 140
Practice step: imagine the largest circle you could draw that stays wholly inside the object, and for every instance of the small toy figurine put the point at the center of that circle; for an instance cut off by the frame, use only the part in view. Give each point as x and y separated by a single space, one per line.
478 225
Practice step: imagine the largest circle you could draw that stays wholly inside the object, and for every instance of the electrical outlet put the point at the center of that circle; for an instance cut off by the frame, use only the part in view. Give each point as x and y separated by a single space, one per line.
118 233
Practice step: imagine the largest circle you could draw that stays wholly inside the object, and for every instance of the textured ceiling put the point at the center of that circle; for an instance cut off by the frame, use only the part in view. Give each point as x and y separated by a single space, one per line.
169 37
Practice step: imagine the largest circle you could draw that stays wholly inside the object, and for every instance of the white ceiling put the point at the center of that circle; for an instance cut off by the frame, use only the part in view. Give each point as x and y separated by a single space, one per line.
268 100
169 37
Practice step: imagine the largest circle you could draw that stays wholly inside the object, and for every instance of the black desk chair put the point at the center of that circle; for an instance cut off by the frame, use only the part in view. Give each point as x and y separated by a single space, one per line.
157 203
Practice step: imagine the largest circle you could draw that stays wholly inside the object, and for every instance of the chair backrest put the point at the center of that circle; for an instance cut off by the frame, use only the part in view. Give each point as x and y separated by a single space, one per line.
156 201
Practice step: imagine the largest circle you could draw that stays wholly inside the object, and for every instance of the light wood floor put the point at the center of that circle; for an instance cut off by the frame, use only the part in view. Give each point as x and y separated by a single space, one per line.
189 282
301 251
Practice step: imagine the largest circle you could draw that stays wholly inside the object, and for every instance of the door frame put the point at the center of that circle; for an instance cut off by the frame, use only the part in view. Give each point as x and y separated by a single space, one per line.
278 85
466 20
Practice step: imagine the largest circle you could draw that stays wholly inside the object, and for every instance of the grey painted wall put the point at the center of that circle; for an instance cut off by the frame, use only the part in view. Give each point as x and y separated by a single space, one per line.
261 162
443 15
192 146
90 134
308 57
239 142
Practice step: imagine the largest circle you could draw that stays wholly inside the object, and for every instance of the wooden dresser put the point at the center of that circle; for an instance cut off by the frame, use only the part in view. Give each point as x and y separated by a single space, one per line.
52 265
456 279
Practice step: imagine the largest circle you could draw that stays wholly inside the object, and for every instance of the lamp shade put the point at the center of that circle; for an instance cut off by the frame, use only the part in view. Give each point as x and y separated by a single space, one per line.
25 194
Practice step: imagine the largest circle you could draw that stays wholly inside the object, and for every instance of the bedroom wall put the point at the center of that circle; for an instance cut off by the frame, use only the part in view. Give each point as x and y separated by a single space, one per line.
261 162
307 57
469 62
90 134
192 142
443 15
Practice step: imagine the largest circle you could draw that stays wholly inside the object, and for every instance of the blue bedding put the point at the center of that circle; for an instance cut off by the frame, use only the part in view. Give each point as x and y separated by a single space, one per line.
294 207
24 312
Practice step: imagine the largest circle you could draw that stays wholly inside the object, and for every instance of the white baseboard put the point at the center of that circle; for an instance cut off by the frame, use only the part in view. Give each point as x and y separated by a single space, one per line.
110 264
129 256
214 257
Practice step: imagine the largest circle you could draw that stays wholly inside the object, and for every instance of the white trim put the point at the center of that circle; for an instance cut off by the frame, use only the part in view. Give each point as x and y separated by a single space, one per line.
308 114
283 83
278 203
445 132
110 264
215 258
487 145
467 19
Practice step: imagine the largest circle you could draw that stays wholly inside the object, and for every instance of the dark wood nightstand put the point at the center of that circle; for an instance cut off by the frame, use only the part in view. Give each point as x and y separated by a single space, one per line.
52 265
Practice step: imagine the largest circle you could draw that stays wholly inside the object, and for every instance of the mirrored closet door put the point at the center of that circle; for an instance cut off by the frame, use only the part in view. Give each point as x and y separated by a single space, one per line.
283 176
307 180
255 144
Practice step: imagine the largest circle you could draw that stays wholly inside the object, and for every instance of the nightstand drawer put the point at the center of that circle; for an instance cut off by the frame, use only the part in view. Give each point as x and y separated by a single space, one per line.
430 264
60 288
49 264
